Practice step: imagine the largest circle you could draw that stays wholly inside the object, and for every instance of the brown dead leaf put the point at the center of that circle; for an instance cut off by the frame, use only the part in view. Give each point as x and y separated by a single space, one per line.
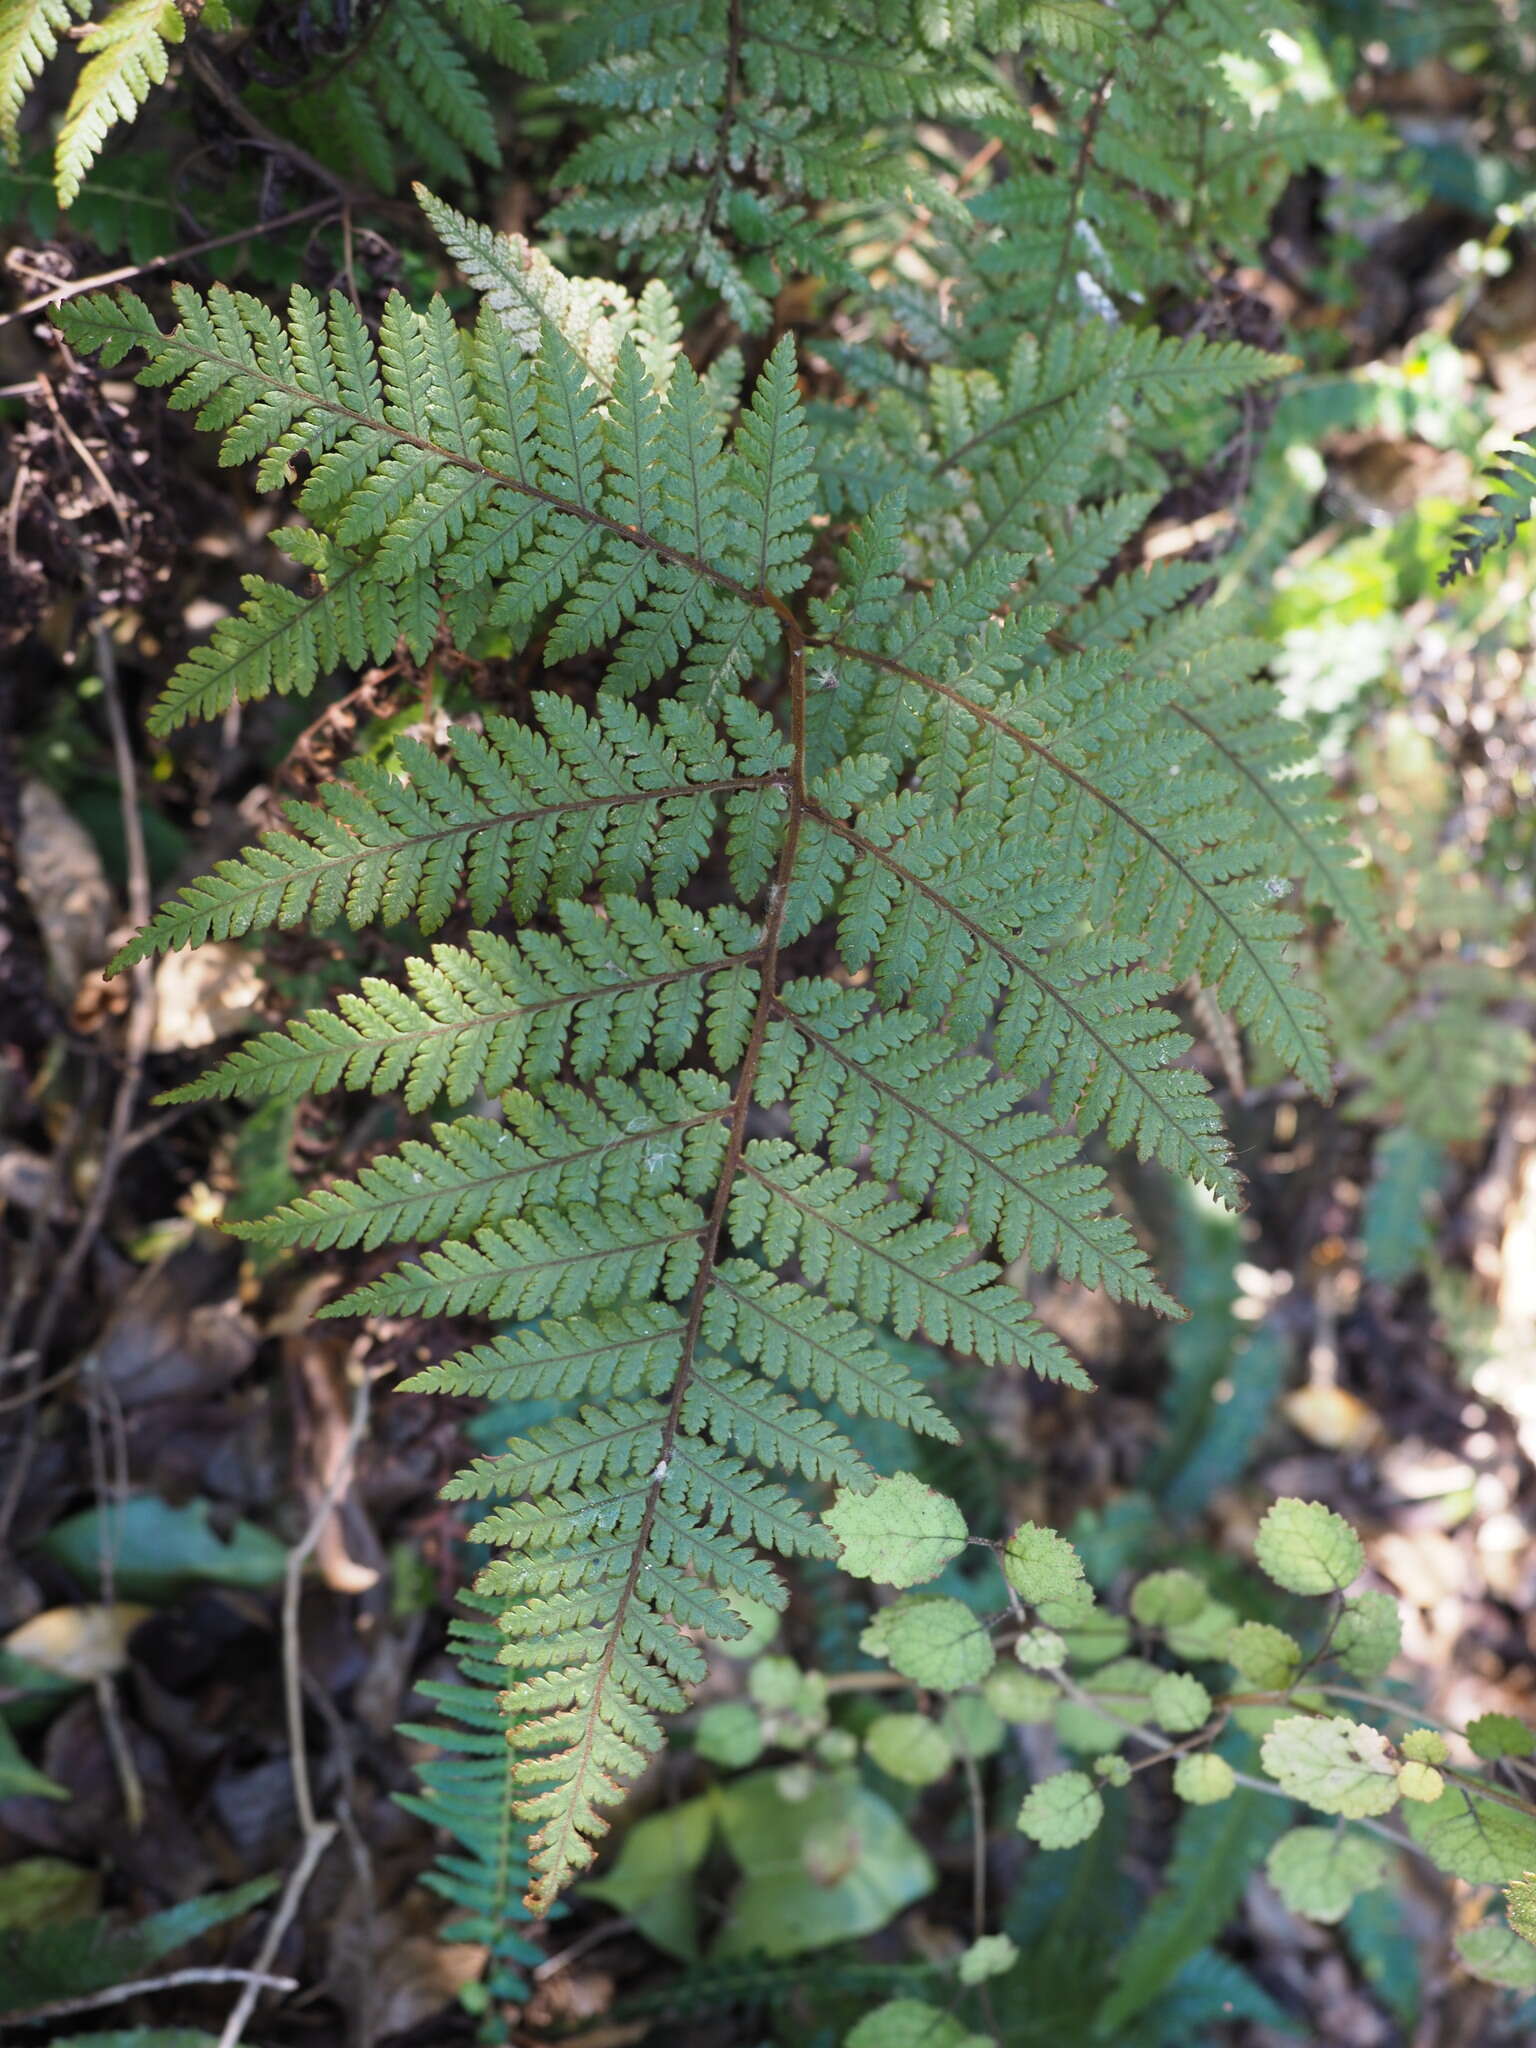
204 995
569 1997
417 1977
1332 1417
167 1337
67 886
347 1550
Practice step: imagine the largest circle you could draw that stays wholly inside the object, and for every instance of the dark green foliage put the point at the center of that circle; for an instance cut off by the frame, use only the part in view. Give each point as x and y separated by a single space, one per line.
62 1961
469 1792
404 91
1216 1850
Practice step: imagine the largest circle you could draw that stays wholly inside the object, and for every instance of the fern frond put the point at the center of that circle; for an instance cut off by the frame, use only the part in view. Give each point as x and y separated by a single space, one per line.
648 1135
126 56
468 1791
936 1122
408 87
1504 510
555 1262
29 37
1285 803
896 1267
526 291
520 816
719 132
434 454
1149 830
285 642
1004 815
631 984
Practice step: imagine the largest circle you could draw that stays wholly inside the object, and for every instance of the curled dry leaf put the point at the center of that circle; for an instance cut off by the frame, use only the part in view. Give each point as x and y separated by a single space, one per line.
87 1643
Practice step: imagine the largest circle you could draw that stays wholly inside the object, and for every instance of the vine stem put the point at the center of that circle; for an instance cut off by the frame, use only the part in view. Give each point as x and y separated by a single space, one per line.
978 1806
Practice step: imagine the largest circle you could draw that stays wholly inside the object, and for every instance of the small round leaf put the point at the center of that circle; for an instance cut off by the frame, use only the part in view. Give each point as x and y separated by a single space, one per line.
940 1643
1204 1780
1307 1548
899 1533
1020 1696
992 1956
1319 1872
1369 1634
974 1727
1165 1598
1336 1766
1496 1735
1040 1565
1179 1703
729 1734
1421 1782
910 1748
1062 1811
1264 1657
908 2023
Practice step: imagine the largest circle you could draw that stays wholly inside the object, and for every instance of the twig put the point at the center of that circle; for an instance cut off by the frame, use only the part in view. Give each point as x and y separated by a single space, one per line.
137 1037
203 68
869 1681
253 1980
256 1980
176 257
978 1845
318 1835
141 1006
109 1490
605 1930
92 465
293 1575
140 1031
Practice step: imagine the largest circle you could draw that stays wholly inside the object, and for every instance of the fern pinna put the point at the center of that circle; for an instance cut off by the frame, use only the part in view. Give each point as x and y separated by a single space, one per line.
995 809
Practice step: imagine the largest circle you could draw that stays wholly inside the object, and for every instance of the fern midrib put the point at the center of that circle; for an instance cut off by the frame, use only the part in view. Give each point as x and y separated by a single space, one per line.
735 32
544 1890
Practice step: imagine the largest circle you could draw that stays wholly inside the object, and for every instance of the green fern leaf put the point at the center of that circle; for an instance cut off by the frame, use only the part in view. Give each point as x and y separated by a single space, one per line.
29 37
126 57
617 988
